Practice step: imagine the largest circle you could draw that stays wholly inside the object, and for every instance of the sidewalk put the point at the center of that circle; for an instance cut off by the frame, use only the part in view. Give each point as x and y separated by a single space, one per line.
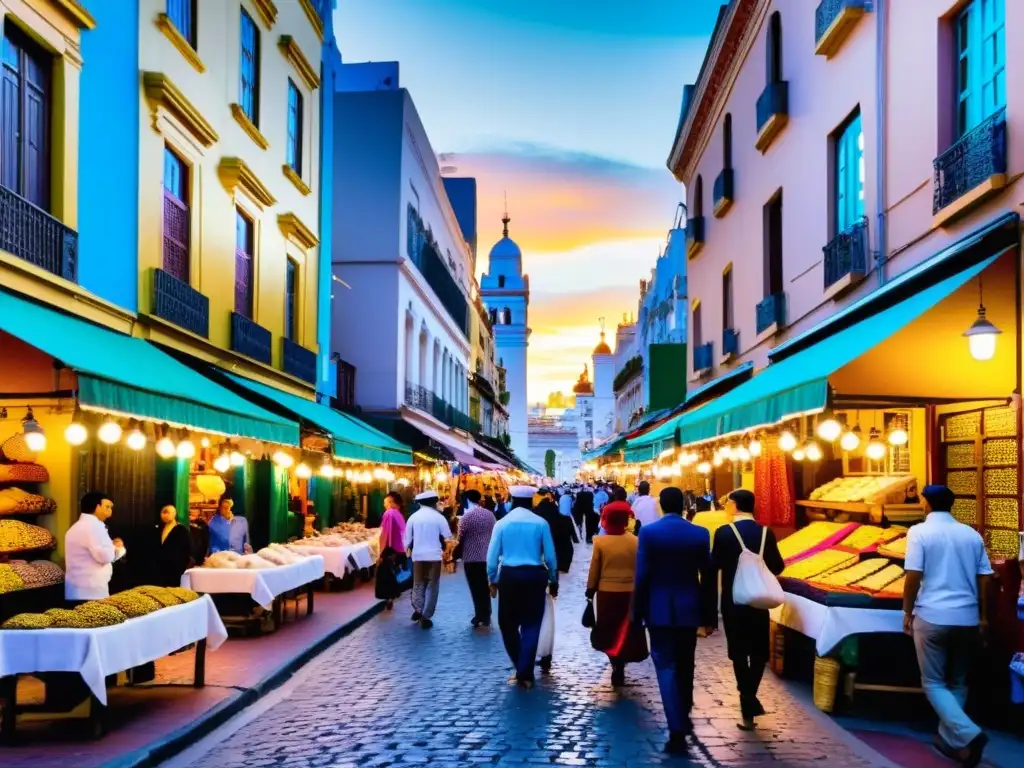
151 722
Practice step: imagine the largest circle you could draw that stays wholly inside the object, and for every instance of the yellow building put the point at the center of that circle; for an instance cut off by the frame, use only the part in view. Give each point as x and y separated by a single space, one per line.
228 210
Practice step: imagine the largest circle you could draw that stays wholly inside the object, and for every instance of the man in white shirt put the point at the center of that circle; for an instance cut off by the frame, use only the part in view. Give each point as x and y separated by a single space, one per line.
89 552
945 612
645 508
425 535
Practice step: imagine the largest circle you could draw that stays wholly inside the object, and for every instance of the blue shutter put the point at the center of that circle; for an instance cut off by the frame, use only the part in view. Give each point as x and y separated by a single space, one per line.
849 175
980 35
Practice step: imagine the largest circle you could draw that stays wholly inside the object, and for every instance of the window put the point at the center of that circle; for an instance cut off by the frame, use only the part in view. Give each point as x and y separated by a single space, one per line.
177 217
182 14
773 246
698 328
774 48
501 281
346 384
244 260
980 35
727 141
294 149
494 317
25 154
249 69
849 174
727 299
507 317
291 300
698 197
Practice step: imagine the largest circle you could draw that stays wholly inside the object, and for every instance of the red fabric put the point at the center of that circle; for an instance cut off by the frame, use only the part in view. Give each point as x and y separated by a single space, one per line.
773 490
616 516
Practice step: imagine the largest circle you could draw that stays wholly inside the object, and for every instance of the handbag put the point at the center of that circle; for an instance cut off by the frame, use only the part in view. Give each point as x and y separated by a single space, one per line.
403 573
589 620
546 639
754 584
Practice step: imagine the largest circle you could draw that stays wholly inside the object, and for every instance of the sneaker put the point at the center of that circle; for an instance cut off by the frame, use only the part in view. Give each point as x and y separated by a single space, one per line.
475 622
975 750
416 616
426 623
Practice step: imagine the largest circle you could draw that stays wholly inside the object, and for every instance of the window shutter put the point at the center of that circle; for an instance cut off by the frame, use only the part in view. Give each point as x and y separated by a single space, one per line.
243 283
10 167
176 236
35 144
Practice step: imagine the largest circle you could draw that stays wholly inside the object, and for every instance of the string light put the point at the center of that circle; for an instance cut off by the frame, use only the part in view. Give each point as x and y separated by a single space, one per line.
830 429
75 432
327 470
303 472
850 440
876 448
787 442
283 460
743 454
704 468
165 448
186 449
136 439
205 442
813 451
109 432
898 436
222 463
755 448
798 454
237 459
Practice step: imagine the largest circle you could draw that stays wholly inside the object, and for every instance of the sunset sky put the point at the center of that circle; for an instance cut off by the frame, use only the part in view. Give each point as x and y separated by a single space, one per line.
518 93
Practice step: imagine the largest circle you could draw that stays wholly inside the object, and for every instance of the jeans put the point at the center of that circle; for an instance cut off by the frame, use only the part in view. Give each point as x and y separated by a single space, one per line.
944 655
520 613
673 650
749 671
426 581
593 522
476 577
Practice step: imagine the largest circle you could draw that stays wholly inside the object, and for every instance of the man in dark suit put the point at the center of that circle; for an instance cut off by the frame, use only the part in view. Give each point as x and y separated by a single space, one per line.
676 598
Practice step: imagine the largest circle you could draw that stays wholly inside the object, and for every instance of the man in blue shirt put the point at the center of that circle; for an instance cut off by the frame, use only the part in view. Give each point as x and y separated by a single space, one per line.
593 520
228 532
521 562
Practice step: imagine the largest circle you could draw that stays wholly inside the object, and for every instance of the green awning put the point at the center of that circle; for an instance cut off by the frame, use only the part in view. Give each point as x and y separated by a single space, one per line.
130 376
799 384
612 446
354 440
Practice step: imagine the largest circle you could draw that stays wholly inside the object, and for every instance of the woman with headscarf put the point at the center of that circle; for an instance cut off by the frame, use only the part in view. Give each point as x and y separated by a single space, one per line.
619 504
612 572
392 550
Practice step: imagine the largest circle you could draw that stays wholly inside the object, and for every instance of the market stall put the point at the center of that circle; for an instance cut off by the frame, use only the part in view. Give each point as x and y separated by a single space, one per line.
100 639
346 548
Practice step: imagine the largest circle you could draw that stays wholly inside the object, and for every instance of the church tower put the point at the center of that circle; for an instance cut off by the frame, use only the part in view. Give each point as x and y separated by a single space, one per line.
604 390
505 291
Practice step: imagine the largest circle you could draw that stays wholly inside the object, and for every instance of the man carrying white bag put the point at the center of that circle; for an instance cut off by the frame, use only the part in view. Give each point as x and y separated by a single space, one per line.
748 557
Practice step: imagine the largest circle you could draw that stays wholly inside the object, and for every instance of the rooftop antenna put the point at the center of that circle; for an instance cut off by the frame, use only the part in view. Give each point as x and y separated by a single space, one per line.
505 219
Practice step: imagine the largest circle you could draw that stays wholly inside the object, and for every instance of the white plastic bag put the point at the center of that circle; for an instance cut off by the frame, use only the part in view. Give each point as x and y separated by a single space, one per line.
755 585
546 644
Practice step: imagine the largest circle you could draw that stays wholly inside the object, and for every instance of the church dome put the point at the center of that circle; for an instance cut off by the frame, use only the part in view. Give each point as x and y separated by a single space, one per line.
602 347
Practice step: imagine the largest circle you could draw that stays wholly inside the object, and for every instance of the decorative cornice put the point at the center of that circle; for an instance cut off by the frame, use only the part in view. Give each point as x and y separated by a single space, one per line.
294 54
172 33
267 11
293 228
234 173
161 92
295 179
725 51
76 12
249 126
314 18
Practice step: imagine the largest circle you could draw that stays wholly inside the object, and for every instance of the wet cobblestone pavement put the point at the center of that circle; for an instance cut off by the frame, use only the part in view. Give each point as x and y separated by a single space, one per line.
392 694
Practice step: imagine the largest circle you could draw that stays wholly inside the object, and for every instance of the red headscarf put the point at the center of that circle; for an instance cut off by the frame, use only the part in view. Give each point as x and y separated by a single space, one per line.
615 517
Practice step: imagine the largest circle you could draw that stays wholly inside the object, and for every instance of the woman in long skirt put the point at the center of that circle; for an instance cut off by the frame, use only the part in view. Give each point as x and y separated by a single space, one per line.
392 550
612 572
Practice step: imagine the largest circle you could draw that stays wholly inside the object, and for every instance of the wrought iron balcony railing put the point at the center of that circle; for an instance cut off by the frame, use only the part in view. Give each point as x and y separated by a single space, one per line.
771 311
772 112
179 303
33 235
250 339
833 21
730 342
702 357
979 155
694 235
426 401
301 362
724 193
846 254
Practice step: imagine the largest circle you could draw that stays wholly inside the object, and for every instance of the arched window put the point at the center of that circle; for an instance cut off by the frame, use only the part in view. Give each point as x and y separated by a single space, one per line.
774 48
494 317
501 281
507 316
698 197
727 141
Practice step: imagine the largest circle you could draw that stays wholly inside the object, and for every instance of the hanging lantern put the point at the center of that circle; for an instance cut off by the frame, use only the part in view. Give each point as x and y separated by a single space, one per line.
725 452
283 459
798 454
876 448
75 432
303 472
755 448
136 439
222 463
109 432
898 436
743 454
327 470
186 449
981 336
813 451
830 429
237 459
205 442
165 448
704 468
787 442
850 440
718 460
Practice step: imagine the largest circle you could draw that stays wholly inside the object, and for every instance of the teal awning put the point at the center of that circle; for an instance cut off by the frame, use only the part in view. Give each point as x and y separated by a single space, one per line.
799 384
612 446
130 376
354 440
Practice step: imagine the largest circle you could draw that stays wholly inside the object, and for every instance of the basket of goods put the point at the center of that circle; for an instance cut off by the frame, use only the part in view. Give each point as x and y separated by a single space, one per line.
278 554
23 473
99 614
16 536
10 580
38 573
133 604
896 548
815 537
224 559
867 538
15 501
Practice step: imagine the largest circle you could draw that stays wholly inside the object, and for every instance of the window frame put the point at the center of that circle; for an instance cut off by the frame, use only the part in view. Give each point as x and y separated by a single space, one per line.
180 197
728 310
246 251
249 93
774 246
727 141
189 9
980 70
773 49
698 197
292 281
294 128
696 325
849 173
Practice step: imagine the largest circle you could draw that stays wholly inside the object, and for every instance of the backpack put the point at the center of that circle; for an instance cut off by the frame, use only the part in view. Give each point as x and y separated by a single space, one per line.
754 584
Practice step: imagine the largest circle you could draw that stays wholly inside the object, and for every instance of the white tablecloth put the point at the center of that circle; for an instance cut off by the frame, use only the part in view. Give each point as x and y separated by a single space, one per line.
263 585
830 625
338 561
97 653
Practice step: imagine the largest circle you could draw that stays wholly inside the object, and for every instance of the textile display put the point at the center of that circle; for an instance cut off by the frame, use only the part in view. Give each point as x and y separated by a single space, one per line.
23 473
773 489
97 653
829 625
14 501
262 585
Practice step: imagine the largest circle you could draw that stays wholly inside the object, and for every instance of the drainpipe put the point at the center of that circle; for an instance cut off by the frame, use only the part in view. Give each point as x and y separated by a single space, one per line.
881 90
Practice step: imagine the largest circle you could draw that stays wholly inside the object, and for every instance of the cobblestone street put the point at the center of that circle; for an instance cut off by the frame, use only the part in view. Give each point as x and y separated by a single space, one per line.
392 694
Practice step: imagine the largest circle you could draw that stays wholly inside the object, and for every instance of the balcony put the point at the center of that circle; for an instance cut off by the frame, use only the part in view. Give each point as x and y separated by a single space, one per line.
833 22
694 235
771 316
426 401
423 252
702 359
723 194
300 362
971 170
178 302
730 344
483 386
250 339
772 114
846 259
34 236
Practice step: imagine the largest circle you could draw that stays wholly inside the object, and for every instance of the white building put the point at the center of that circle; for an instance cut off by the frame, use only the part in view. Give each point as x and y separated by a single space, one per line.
404 322
604 392
551 433
505 291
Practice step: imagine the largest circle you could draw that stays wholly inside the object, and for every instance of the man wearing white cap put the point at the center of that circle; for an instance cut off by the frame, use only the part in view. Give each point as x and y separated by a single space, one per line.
521 562
425 534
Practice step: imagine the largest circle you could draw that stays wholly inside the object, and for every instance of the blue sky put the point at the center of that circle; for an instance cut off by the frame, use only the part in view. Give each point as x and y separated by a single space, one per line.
568 106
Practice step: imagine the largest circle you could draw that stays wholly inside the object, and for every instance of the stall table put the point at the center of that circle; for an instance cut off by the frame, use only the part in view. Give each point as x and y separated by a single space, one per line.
339 562
96 654
268 588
